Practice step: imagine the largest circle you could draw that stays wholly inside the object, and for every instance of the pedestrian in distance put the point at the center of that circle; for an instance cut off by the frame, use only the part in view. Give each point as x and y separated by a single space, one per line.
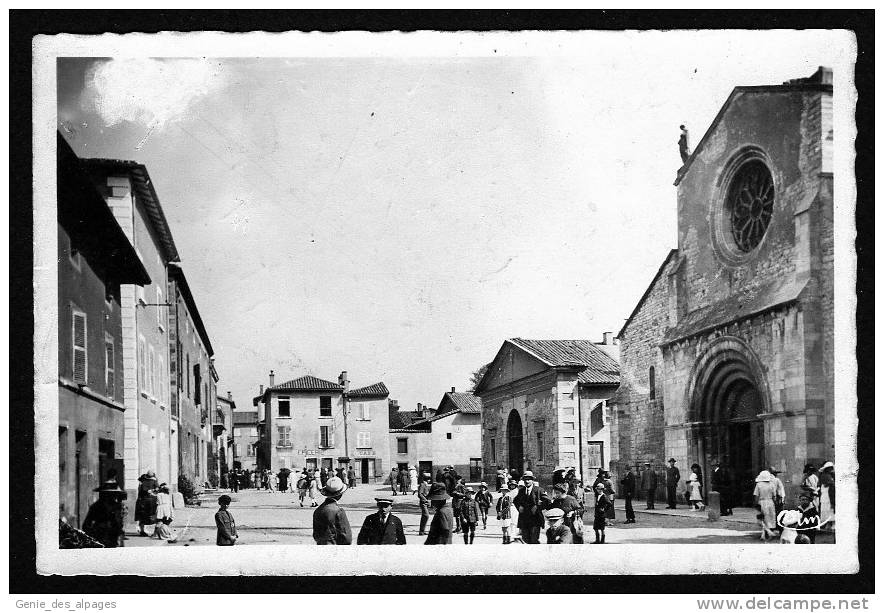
351 477
695 468
457 497
423 490
628 489
442 526
382 528
779 489
323 477
303 484
557 533
504 515
412 480
483 499
530 502
233 481
609 491
403 481
105 518
601 507
330 523
282 479
764 501
394 479
673 476
313 489
226 535
649 484
720 482
469 516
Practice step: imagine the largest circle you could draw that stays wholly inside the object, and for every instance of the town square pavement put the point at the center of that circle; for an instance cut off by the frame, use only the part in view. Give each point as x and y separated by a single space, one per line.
264 518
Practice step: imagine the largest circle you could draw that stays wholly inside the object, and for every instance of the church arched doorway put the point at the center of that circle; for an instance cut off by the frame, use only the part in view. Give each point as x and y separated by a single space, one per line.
727 398
514 441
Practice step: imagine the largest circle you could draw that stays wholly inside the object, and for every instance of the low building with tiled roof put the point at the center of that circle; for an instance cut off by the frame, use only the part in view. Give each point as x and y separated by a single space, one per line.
543 405
302 423
457 434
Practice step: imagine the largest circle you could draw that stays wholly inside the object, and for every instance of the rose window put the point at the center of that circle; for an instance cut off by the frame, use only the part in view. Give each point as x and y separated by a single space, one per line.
750 203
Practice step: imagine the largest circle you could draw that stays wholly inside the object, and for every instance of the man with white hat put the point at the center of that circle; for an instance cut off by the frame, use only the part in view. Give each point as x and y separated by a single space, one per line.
330 523
530 502
382 528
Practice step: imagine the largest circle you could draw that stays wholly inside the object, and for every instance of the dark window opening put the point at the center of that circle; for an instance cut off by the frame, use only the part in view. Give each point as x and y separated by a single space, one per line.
284 407
652 386
325 406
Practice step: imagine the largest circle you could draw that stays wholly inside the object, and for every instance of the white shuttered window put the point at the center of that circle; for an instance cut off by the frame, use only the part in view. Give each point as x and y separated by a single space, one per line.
79 345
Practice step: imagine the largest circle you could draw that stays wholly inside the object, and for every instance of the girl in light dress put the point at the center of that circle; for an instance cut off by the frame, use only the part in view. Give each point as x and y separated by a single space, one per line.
164 513
694 495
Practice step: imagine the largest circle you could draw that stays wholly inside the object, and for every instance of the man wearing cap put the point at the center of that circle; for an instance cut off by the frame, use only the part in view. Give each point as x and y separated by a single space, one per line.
422 490
672 479
649 484
382 528
330 523
226 535
104 520
483 499
530 502
628 483
443 520
469 515
557 533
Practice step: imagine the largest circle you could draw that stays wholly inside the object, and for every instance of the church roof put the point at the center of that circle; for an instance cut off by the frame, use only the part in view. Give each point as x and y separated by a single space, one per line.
821 80
736 307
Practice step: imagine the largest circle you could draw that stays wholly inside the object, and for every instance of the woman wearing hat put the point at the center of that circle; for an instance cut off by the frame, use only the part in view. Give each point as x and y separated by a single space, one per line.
330 523
104 520
601 513
764 494
442 525
412 478
146 503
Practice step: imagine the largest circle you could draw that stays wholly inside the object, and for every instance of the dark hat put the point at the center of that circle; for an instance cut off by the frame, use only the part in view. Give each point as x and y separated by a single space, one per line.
560 487
110 487
224 499
528 475
672 460
438 492
773 471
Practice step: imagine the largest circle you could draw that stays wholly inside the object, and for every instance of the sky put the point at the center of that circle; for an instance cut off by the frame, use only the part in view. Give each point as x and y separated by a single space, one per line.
400 217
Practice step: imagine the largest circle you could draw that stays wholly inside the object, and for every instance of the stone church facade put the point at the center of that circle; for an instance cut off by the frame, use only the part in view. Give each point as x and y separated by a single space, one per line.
729 354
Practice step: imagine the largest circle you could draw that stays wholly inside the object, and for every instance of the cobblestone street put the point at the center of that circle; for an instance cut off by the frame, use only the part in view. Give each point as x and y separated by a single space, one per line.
264 518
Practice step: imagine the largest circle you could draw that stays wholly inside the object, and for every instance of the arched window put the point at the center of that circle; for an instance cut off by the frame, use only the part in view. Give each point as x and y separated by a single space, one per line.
652 388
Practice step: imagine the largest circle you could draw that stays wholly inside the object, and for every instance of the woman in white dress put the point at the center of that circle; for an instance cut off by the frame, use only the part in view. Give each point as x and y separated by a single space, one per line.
164 513
313 490
694 496
412 478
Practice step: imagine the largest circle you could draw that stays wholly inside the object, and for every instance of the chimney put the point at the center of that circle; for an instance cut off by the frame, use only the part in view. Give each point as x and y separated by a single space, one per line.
606 338
419 407
272 378
452 389
261 390
229 396
343 381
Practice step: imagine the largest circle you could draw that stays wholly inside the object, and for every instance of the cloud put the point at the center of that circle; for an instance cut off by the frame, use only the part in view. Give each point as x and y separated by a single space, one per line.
149 91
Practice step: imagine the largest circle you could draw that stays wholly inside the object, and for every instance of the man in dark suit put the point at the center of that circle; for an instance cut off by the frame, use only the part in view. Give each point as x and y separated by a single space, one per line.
649 484
382 528
628 483
330 523
672 479
530 502
443 519
721 483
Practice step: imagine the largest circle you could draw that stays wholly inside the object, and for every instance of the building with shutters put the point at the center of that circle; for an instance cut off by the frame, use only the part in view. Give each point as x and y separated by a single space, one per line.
729 354
311 422
544 405
94 259
194 383
410 438
222 430
129 191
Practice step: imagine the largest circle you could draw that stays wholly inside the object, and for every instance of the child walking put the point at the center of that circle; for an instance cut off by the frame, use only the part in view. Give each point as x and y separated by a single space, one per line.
224 521
601 511
469 516
483 499
694 495
504 504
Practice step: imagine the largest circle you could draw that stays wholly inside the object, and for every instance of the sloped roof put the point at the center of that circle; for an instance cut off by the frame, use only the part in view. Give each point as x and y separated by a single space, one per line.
736 307
458 402
307 383
375 390
821 80
599 367
402 421
641 301
176 273
144 188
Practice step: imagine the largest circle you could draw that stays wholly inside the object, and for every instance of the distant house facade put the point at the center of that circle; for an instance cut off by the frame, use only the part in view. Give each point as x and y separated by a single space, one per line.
245 440
410 438
94 259
456 434
544 405
222 429
302 424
